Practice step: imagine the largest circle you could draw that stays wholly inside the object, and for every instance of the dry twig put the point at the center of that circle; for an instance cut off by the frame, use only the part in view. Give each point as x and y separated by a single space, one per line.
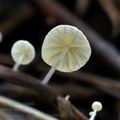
5 116
113 12
75 91
99 82
33 83
26 109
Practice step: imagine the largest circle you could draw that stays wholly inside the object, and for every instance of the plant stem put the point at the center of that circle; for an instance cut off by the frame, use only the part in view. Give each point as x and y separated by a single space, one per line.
24 108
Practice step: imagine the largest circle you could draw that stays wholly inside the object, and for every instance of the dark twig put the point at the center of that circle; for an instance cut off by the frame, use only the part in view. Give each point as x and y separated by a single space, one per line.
68 111
25 109
108 85
17 91
75 91
33 83
5 116
28 81
113 13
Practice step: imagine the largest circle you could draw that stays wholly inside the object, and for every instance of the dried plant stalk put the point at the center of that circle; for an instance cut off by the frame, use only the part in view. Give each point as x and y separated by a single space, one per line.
113 12
5 116
23 79
26 109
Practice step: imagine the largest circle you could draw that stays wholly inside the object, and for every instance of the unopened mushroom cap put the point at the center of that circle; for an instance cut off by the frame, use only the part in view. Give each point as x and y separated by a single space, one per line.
23 48
97 106
66 48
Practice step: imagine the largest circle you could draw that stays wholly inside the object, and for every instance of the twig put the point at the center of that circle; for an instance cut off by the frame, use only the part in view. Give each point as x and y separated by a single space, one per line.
26 109
33 83
18 91
99 82
75 91
104 49
28 81
5 116
68 111
114 14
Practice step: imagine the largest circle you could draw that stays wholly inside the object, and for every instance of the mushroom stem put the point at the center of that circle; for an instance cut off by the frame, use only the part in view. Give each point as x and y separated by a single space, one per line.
17 65
93 114
49 75
53 68
96 106
67 97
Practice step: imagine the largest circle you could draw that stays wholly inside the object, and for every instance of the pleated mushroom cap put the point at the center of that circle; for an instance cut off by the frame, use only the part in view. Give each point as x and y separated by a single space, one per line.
66 48
25 49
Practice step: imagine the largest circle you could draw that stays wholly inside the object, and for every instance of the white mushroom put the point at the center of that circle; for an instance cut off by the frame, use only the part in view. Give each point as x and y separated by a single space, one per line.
66 49
96 106
22 53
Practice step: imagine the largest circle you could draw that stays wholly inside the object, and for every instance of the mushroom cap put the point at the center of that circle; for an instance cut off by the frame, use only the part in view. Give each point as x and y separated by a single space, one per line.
24 49
97 106
66 48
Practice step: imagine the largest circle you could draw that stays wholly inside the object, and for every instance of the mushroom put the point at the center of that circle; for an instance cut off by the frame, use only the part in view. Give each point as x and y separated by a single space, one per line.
66 49
22 53
96 106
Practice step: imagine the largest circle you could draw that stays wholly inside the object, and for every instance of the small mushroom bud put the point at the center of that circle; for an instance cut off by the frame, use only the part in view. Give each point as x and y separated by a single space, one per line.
66 49
96 106
22 53
67 97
